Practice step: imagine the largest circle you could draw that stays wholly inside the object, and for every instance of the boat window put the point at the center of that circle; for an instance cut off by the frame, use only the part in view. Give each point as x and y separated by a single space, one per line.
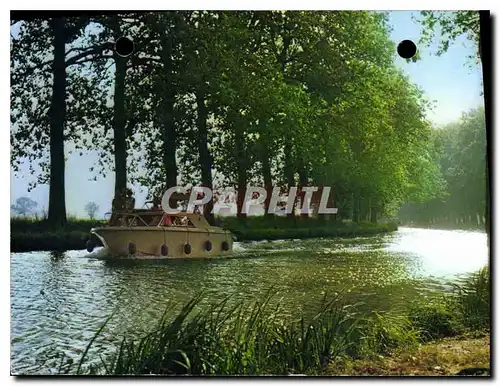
147 219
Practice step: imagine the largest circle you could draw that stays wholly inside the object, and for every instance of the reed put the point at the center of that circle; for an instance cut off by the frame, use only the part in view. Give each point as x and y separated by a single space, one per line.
245 339
465 309
253 338
473 300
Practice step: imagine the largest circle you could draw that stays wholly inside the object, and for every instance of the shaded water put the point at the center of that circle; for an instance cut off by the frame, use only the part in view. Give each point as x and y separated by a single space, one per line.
58 301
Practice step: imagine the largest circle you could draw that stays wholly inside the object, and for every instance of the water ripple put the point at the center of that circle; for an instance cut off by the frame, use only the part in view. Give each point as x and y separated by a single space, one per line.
58 301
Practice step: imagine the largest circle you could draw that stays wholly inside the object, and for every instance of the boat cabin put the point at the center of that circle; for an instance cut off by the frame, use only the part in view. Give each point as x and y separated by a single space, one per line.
148 218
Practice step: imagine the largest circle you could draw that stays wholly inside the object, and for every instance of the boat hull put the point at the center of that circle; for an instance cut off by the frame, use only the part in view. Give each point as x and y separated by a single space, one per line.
148 241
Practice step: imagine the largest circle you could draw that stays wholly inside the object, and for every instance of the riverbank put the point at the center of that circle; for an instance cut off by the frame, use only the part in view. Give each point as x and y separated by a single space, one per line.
464 355
277 228
444 225
34 235
446 336
29 235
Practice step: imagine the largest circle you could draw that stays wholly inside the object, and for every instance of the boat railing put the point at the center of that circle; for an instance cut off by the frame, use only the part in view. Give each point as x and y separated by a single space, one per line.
141 213
127 217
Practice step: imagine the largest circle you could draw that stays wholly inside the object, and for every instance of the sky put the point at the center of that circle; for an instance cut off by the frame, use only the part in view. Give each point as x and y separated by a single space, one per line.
450 80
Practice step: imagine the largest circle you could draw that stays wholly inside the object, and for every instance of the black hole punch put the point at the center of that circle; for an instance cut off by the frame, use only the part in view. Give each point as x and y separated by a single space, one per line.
407 49
124 46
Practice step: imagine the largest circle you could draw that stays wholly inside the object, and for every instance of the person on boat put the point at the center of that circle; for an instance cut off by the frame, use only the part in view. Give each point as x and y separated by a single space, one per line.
156 205
167 220
118 203
117 207
129 200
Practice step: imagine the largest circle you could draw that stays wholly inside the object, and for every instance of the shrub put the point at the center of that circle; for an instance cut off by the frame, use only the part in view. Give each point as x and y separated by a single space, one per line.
436 319
383 334
473 300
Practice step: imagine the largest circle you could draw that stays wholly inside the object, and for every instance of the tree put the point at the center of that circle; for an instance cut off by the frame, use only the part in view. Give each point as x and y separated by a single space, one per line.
239 98
110 80
457 150
24 206
91 208
452 24
41 55
477 26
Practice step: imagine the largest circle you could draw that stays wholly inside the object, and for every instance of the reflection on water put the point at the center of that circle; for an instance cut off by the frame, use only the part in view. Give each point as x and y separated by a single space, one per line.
442 252
59 300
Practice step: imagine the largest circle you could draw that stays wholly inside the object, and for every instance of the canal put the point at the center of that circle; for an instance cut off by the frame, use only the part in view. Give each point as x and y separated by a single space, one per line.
59 300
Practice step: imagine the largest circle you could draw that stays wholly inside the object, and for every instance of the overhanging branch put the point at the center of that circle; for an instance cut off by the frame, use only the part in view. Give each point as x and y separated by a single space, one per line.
92 51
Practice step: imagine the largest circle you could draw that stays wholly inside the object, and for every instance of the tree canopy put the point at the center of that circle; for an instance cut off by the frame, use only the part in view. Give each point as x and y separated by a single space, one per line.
224 98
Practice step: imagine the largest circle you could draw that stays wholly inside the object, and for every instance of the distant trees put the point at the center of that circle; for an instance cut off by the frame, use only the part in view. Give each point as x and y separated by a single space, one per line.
24 206
459 151
91 208
476 26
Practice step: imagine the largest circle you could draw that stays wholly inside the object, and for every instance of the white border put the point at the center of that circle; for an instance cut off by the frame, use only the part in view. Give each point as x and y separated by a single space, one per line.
159 5
391 5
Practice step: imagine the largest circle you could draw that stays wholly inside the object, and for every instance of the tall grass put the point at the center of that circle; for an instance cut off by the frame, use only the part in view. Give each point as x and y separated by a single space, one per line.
384 334
473 300
246 339
253 338
467 308
436 319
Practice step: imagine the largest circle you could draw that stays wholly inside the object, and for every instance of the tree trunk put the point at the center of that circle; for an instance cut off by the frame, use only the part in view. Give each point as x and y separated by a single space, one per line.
304 182
241 162
169 130
242 184
364 209
266 169
373 212
120 136
57 199
288 170
268 182
205 157
331 203
355 209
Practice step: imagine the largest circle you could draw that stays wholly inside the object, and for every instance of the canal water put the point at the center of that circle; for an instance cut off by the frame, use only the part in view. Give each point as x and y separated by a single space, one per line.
59 300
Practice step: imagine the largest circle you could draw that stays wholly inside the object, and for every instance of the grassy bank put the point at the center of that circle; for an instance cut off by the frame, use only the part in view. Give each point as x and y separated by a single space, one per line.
469 226
250 339
465 355
276 227
35 235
